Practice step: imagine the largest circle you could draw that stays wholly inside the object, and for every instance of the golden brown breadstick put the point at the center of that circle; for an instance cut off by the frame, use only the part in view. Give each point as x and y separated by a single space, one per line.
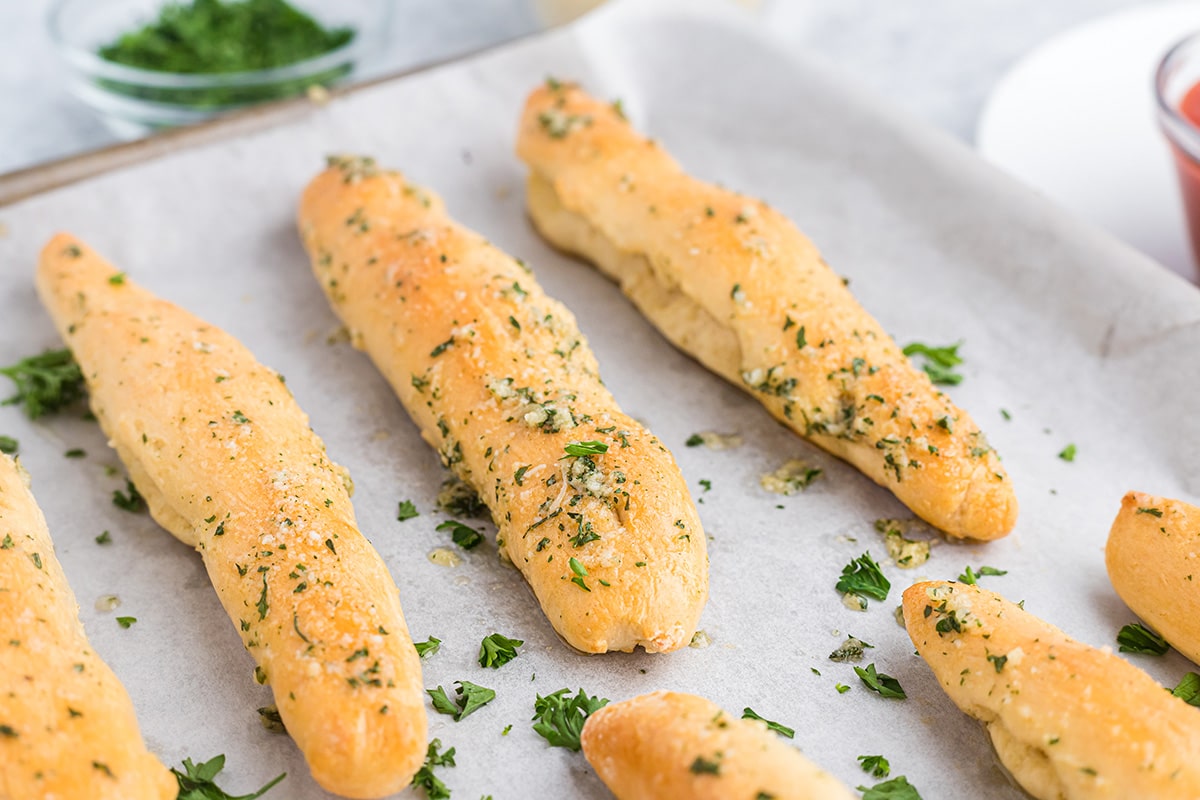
227 463
590 506
67 726
667 744
1154 565
1069 721
734 284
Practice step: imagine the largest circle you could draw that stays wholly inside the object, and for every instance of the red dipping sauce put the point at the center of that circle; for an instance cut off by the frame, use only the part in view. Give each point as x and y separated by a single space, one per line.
1189 168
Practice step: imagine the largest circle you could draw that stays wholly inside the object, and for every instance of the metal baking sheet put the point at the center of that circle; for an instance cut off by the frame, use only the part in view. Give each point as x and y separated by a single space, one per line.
1081 340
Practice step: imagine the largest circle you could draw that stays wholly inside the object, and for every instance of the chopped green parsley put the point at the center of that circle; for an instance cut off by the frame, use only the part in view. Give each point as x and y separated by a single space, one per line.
559 717
939 362
1137 638
496 650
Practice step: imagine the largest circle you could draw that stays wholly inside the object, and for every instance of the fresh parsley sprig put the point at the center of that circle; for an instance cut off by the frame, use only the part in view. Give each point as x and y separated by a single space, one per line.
196 782
896 789
781 729
407 511
470 697
972 577
425 779
496 650
876 766
464 536
1188 689
589 448
939 362
884 685
45 383
428 647
1137 638
559 717
132 500
863 577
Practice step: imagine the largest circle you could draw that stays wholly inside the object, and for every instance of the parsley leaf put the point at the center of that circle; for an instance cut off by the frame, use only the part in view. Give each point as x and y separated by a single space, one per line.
441 703
877 766
560 717
939 362
1137 638
425 779
196 781
496 650
133 502
704 766
782 730
45 383
895 789
104 538
408 510
126 622
580 573
971 576
1068 453
470 697
695 440
885 685
9 446
589 448
1188 689
428 647
464 536
863 577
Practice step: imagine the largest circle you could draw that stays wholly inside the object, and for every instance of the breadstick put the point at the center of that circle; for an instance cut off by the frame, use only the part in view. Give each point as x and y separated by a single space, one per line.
1153 564
67 725
227 463
667 744
1069 721
590 506
734 284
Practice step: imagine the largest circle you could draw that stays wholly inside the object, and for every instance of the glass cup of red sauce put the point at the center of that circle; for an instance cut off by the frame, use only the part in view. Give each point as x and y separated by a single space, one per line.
1177 87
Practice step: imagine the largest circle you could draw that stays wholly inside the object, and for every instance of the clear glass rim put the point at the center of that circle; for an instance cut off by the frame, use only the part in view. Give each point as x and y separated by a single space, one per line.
95 66
1181 131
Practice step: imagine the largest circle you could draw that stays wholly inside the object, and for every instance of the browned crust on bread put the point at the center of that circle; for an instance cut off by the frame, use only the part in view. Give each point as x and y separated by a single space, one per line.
227 462
1069 721
648 748
732 282
499 379
1153 560
67 725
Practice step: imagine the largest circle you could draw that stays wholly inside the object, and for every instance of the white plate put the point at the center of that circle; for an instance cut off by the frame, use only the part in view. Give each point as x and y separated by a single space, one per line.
1075 119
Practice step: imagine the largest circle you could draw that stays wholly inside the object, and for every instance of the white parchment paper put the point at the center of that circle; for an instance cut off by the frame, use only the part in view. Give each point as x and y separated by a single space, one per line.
1081 340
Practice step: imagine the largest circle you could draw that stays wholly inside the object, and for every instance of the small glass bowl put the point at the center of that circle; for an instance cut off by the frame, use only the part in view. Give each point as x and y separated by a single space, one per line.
133 102
1177 74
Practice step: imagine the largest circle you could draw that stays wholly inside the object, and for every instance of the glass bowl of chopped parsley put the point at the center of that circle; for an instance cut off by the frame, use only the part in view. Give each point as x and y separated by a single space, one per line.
149 64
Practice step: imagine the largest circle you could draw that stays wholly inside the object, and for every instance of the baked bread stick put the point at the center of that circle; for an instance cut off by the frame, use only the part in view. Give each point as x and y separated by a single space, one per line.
227 463
1152 562
667 744
590 506
1069 721
734 284
67 726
